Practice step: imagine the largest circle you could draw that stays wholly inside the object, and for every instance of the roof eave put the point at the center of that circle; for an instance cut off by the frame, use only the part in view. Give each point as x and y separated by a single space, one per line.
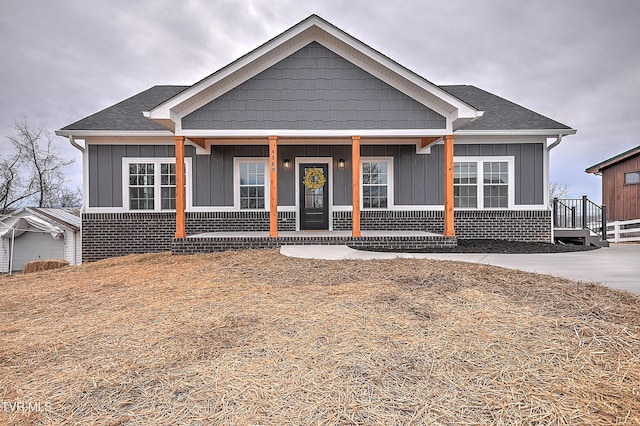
523 132
113 133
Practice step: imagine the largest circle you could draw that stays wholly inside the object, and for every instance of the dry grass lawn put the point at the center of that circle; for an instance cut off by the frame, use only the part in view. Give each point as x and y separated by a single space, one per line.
257 338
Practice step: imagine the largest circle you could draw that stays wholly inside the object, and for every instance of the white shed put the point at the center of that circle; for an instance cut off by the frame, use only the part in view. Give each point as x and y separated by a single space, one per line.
39 233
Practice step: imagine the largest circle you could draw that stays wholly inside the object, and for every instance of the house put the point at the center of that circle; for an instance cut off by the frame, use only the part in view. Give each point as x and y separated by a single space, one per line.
313 137
39 233
620 184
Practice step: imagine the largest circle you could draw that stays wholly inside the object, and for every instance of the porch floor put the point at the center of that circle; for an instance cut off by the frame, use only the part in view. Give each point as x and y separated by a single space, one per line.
373 239
313 234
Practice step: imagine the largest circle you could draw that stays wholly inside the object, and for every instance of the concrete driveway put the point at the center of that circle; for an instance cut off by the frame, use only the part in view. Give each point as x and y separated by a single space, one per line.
617 266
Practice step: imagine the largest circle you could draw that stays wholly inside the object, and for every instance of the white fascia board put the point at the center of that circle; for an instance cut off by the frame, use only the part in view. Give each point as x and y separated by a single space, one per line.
113 133
531 132
312 133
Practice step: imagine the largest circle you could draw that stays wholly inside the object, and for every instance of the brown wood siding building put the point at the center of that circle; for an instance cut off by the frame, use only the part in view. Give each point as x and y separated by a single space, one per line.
622 199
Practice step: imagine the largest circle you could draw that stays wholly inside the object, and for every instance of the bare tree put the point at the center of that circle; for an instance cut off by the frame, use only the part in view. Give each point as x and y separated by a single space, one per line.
12 189
66 197
558 190
38 168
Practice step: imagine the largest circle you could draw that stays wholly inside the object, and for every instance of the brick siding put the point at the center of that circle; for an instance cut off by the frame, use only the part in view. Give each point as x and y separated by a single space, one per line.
107 235
512 225
209 245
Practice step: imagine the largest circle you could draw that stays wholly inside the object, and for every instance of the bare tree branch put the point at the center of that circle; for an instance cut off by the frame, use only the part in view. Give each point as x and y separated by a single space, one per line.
35 172
558 190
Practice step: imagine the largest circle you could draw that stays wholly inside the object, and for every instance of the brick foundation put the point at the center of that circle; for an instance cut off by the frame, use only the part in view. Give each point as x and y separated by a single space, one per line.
107 235
209 245
526 225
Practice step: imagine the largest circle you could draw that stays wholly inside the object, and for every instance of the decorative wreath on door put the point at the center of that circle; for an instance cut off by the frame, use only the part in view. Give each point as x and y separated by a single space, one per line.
314 179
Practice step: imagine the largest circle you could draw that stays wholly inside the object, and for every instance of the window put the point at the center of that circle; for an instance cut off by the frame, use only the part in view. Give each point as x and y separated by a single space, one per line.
252 185
483 183
168 186
150 183
376 183
632 178
141 186
495 178
465 188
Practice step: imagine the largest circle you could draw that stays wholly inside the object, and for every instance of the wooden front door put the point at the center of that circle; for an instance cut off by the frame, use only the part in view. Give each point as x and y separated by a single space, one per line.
314 202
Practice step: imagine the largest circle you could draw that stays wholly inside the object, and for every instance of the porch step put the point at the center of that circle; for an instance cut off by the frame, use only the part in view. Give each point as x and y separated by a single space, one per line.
213 242
579 236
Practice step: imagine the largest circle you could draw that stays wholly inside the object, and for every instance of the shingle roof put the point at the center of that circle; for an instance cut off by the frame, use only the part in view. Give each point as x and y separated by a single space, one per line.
127 115
499 113
597 168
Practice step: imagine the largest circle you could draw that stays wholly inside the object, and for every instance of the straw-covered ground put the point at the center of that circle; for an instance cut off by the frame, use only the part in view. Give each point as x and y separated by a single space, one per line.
257 338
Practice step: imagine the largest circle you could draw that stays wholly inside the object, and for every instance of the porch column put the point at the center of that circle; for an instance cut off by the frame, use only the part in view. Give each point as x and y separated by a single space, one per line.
180 189
355 185
273 186
449 230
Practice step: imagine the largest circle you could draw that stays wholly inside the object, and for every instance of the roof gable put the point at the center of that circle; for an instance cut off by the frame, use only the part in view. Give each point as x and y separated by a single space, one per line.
313 29
313 88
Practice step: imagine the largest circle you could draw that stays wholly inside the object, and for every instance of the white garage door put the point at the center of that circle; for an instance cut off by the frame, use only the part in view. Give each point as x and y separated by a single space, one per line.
36 246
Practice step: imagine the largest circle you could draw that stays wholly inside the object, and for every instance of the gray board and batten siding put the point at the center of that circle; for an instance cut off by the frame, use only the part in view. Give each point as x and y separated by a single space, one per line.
417 177
314 89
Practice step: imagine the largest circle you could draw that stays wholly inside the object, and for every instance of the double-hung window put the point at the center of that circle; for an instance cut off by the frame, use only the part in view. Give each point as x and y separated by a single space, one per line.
495 182
376 181
465 184
251 183
483 183
150 184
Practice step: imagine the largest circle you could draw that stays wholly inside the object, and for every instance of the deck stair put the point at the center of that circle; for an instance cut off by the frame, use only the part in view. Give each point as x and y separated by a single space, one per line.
579 221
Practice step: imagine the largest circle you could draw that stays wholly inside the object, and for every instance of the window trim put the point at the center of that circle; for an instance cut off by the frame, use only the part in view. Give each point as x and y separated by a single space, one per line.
510 160
236 182
390 182
126 161
624 177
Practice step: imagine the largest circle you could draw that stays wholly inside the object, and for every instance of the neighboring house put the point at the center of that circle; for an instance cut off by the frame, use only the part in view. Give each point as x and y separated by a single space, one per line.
620 184
39 233
313 130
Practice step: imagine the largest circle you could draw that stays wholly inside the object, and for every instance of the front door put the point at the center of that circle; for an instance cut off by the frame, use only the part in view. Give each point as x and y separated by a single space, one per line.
314 196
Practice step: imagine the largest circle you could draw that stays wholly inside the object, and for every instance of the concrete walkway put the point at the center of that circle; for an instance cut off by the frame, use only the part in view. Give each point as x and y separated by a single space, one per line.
617 266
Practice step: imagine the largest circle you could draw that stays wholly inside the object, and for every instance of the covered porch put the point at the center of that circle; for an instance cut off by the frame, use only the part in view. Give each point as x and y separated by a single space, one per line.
404 238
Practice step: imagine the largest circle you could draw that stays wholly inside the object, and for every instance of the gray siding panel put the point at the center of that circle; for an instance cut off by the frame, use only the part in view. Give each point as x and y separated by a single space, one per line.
314 89
105 169
417 177
528 164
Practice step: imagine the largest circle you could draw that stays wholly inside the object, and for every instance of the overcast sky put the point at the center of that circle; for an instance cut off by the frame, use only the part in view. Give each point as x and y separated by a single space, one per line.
576 61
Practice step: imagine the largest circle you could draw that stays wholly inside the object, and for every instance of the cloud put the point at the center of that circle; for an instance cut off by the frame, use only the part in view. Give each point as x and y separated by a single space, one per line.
576 61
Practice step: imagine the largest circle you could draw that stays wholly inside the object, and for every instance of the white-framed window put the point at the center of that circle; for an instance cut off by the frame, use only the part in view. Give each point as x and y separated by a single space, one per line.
376 180
483 182
149 184
251 183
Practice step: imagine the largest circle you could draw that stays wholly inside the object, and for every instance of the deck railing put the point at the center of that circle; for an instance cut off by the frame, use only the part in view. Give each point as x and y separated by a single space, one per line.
580 213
